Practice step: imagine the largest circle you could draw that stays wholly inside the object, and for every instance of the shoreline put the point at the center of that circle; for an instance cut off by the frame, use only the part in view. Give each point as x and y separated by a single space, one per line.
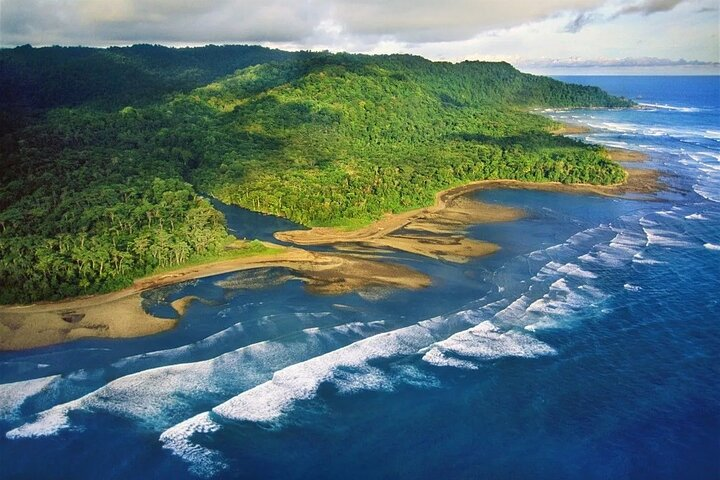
121 315
452 213
437 231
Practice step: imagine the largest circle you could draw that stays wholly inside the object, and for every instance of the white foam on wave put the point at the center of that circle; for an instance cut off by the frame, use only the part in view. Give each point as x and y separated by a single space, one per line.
628 240
662 106
667 213
707 192
204 462
348 368
436 357
648 223
209 344
625 128
707 183
571 246
632 288
603 256
699 157
711 246
553 309
643 260
618 251
575 271
665 238
158 397
413 376
170 354
269 401
515 310
696 216
14 395
616 127
363 378
48 423
484 342
548 270
367 378
615 144
537 255
554 269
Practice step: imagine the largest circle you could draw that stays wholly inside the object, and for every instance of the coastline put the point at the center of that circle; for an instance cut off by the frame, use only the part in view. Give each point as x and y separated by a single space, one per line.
452 213
438 232
571 129
121 315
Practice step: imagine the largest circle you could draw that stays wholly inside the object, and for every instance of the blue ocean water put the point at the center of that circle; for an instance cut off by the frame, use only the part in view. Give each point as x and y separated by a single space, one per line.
588 347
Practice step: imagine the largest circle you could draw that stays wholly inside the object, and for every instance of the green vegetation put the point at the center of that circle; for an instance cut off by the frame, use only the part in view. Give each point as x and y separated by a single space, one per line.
34 80
233 250
96 190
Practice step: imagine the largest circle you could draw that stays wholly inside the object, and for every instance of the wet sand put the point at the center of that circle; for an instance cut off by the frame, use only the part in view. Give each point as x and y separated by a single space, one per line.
342 274
621 155
120 314
437 232
571 129
117 315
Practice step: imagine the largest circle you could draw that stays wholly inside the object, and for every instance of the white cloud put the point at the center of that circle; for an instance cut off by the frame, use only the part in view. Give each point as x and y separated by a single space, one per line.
643 7
268 20
451 29
614 62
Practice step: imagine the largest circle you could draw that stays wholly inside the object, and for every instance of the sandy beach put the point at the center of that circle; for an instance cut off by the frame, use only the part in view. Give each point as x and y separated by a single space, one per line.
120 314
620 155
616 154
436 232
571 129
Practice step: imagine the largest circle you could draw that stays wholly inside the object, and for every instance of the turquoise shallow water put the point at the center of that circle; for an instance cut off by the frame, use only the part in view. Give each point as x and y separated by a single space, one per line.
586 348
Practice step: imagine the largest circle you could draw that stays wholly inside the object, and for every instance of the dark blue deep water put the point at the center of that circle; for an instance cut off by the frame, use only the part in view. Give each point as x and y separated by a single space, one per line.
587 348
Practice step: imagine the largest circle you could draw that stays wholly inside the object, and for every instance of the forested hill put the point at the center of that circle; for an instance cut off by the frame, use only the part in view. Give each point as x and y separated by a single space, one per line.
33 80
105 188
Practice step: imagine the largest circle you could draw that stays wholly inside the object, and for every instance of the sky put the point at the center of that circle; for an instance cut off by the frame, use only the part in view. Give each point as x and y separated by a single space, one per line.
557 37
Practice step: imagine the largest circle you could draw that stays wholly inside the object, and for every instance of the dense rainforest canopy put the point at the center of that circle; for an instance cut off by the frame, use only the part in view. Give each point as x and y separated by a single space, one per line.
105 152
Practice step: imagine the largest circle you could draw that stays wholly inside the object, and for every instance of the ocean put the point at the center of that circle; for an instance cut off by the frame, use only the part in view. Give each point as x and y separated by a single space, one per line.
587 347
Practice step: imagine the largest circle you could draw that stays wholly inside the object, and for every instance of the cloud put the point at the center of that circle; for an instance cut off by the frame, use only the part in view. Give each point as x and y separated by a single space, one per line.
438 29
648 7
450 20
579 22
105 22
644 7
630 62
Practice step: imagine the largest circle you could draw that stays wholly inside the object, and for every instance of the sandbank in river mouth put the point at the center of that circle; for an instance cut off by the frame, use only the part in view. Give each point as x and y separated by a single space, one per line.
437 232
121 315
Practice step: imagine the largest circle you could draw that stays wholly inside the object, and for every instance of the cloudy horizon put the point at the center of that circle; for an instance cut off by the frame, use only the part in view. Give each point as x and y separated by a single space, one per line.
551 37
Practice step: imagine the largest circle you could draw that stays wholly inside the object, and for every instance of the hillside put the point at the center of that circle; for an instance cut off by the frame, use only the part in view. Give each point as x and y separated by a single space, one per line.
105 189
34 80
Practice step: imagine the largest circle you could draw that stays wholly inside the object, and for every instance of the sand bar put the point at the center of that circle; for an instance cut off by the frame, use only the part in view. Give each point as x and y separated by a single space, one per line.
439 231
120 314
623 155
436 232
571 129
